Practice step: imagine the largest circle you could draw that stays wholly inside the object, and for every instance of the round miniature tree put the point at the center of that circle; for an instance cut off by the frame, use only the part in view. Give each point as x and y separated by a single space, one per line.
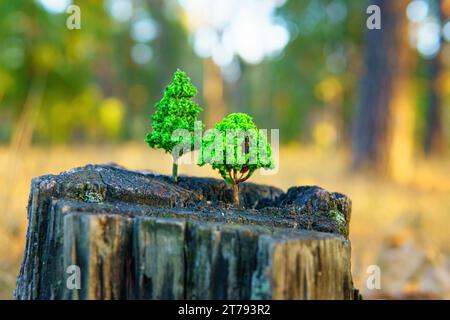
175 111
236 148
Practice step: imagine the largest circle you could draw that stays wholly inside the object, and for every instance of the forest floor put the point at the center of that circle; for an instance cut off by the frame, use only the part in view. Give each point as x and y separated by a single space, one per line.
402 228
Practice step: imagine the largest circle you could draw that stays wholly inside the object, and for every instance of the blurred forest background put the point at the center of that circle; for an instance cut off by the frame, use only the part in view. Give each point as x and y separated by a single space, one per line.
363 112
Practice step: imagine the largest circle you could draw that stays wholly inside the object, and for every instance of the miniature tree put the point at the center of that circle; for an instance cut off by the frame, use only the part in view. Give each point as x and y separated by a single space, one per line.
236 148
174 111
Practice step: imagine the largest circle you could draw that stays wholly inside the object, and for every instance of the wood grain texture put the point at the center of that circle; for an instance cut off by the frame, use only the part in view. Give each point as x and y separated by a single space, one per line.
139 236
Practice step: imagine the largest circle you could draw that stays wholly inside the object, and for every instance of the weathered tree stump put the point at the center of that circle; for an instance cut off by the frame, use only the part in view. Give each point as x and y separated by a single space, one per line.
137 235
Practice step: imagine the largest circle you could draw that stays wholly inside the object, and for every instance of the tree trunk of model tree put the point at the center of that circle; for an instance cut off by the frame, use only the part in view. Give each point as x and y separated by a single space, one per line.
434 133
383 129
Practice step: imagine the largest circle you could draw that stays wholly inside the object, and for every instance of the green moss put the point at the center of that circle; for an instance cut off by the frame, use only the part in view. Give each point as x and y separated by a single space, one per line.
339 218
92 197
93 194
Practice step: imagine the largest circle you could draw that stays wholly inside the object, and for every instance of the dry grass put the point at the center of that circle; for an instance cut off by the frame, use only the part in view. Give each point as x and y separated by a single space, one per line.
386 216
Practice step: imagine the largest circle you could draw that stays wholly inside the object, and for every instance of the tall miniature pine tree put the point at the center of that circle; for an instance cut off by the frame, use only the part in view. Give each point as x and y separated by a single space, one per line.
174 111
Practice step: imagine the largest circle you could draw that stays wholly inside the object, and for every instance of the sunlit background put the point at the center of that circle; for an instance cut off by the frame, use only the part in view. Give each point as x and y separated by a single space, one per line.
309 68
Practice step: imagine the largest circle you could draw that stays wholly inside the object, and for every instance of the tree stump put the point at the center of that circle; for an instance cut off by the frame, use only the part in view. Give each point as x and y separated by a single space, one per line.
139 235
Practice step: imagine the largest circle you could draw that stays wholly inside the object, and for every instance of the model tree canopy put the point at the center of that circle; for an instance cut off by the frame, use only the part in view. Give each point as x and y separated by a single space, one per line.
174 111
236 148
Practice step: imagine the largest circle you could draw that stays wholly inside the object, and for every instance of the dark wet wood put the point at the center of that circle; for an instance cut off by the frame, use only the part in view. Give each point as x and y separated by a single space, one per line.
141 236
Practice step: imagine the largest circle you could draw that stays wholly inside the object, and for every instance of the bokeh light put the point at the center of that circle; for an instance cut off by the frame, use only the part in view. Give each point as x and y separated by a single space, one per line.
224 29
55 6
446 31
417 10
144 30
141 53
428 39
121 10
336 11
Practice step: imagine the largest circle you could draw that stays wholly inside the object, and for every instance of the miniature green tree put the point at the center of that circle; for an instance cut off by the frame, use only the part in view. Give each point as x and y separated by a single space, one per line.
174 111
236 148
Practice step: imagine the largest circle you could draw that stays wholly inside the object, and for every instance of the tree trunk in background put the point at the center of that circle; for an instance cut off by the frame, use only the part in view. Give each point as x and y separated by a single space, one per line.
162 45
383 131
434 132
213 93
237 91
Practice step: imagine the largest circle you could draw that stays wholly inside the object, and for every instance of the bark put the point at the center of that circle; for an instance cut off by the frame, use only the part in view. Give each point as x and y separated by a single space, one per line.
167 49
141 236
213 93
175 170
236 195
383 129
434 132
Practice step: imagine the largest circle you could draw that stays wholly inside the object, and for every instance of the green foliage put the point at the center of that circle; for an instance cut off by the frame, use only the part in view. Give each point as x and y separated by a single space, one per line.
173 112
340 221
76 71
70 74
236 148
